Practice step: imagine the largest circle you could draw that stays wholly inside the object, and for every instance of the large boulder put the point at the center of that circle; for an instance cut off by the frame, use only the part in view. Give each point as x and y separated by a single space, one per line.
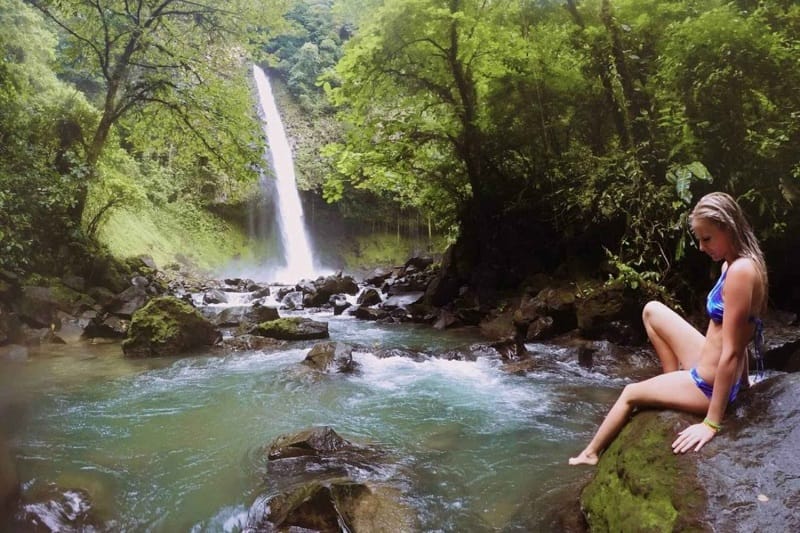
127 302
781 342
245 316
746 479
327 355
327 287
167 326
612 312
318 481
292 328
38 306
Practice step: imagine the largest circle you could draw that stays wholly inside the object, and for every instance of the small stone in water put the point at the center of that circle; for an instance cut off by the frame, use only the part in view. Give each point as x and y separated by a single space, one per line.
763 498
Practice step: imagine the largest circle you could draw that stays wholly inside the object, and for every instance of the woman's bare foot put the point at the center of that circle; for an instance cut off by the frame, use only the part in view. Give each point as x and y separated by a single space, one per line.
584 458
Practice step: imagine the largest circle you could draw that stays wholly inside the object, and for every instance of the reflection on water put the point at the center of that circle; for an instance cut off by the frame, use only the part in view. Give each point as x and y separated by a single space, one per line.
166 444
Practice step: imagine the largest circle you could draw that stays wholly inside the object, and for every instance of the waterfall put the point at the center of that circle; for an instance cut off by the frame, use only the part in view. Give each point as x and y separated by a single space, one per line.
299 261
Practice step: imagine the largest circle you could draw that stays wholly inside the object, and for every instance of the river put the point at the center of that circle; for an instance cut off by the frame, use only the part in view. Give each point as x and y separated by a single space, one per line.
170 444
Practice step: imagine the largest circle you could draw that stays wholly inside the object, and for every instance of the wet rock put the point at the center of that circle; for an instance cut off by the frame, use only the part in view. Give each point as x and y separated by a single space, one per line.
403 301
609 312
106 327
314 441
446 319
37 306
241 343
327 287
140 281
51 508
370 313
781 344
245 316
259 292
318 481
325 355
384 353
339 303
377 277
418 263
498 324
549 313
746 479
451 276
370 296
215 296
167 326
103 296
129 301
292 329
422 312
292 300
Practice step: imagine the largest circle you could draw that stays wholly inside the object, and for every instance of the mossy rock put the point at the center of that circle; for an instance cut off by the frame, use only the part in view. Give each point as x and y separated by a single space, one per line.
292 329
38 305
167 326
640 485
747 478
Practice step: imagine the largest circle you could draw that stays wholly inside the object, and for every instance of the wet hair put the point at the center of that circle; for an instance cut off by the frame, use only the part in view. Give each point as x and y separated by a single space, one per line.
721 209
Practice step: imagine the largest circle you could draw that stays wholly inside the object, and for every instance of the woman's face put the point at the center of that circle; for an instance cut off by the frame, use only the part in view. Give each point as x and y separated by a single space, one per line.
713 240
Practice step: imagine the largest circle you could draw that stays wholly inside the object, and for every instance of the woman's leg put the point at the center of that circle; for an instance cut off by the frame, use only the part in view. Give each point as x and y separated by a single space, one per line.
675 390
677 343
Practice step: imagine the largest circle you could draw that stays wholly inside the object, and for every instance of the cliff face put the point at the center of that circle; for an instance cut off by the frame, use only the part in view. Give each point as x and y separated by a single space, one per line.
746 479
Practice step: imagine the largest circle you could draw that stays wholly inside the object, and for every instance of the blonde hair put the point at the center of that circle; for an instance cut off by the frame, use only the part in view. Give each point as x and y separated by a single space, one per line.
721 209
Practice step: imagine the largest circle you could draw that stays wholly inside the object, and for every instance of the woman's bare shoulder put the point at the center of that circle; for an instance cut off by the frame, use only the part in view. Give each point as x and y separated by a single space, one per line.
742 267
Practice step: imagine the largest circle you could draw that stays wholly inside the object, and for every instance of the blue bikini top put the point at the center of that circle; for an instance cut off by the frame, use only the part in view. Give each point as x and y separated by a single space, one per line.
715 308
714 304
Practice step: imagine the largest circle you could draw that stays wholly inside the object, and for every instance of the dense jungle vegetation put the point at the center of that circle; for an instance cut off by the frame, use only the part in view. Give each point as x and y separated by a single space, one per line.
540 134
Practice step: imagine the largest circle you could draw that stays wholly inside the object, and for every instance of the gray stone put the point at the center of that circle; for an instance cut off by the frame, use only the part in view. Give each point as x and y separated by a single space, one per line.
745 479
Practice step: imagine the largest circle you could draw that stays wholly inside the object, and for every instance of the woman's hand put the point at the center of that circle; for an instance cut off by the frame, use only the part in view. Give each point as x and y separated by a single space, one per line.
693 436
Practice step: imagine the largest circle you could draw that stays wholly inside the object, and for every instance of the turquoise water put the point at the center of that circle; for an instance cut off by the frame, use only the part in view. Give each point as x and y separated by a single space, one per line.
169 444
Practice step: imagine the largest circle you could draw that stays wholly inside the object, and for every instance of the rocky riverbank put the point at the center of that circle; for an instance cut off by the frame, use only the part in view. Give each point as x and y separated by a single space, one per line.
168 312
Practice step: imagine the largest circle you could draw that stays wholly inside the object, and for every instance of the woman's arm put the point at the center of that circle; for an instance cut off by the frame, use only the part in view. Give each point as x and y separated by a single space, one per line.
737 294
736 330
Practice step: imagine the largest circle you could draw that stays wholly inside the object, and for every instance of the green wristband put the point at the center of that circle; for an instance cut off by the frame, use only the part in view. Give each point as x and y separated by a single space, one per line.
713 425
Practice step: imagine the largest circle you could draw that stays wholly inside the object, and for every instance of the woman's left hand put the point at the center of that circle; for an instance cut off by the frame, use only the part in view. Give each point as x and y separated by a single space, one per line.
693 436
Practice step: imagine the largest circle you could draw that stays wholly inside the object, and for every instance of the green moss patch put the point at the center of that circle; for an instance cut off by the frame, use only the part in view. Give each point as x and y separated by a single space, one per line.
640 485
167 326
292 329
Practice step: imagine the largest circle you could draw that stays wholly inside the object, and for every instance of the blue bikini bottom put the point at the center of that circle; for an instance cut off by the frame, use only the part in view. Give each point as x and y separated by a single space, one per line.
709 389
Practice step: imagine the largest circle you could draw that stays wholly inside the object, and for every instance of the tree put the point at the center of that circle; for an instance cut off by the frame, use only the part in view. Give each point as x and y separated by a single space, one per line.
40 120
162 53
413 82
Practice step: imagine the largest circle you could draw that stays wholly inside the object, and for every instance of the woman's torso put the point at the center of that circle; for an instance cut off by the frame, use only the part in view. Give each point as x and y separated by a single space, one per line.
712 348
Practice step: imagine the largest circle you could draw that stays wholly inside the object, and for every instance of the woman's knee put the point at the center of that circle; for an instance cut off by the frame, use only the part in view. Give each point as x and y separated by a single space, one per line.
651 311
630 393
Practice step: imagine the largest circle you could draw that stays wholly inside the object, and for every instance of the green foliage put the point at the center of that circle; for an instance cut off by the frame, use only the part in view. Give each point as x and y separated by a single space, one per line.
38 117
597 124
181 65
174 118
412 83
730 79
308 49
169 231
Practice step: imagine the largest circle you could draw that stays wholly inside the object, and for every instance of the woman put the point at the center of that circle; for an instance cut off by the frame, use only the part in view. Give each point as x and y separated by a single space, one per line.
702 374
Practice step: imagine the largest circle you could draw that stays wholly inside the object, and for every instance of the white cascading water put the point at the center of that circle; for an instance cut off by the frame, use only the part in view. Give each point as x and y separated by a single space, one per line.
296 245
